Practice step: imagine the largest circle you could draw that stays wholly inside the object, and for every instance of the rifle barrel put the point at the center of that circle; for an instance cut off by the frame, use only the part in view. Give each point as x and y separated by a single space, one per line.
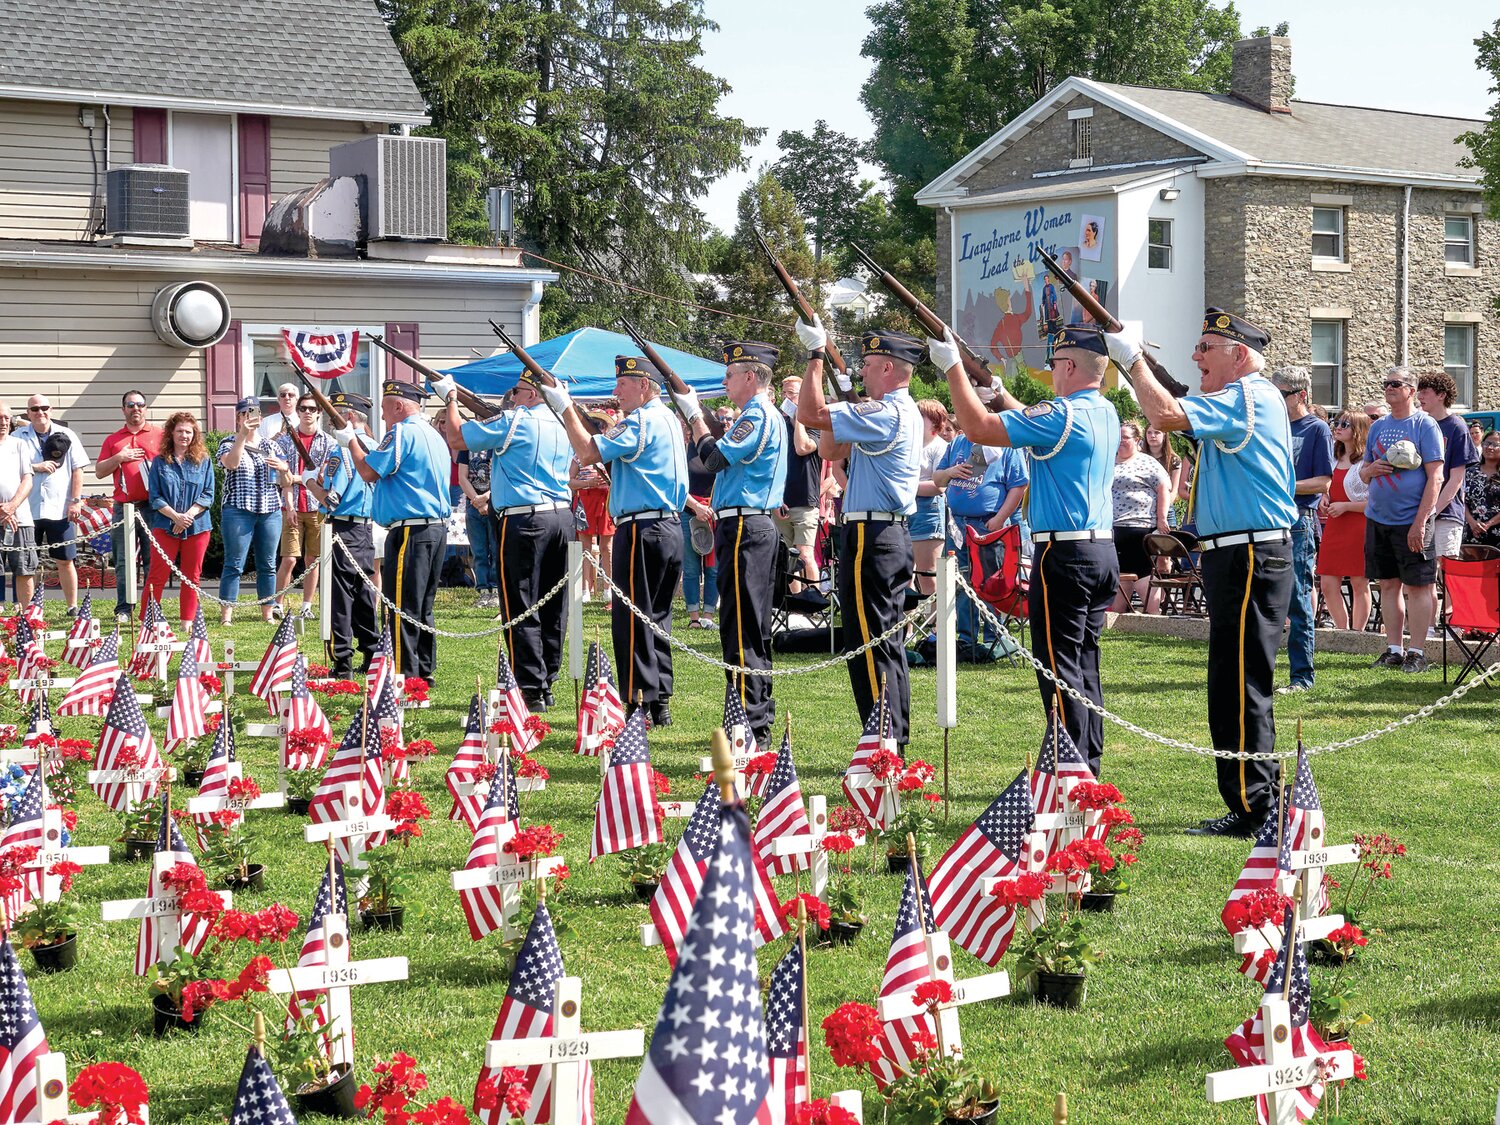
677 383
804 308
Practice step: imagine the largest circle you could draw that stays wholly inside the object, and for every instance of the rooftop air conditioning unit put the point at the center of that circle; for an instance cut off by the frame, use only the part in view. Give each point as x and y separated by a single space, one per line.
147 200
405 183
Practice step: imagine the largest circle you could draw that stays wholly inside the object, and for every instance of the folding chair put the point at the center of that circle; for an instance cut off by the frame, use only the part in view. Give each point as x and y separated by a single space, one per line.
809 602
1006 589
1180 581
1472 593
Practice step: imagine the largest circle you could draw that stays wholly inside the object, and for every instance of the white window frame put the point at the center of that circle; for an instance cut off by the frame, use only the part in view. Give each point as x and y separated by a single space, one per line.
1168 246
1081 137
250 333
1471 260
1342 234
1341 328
1466 383
235 234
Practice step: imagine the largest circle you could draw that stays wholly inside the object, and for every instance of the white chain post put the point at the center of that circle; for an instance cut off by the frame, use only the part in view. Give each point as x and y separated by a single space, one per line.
575 610
325 582
947 642
127 564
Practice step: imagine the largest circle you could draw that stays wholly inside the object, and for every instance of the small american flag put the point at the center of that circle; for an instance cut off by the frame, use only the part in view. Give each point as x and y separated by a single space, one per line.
258 1100
216 777
468 758
386 709
91 691
905 968
734 716
600 713
275 668
526 1013
22 1040
80 643
1058 760
512 712
628 814
332 898
30 652
1247 1043
707 1061
35 613
198 639
152 943
154 631
1261 868
300 711
40 724
346 767
185 721
125 730
782 813
992 847
25 830
1305 826
484 907
870 799
382 664
786 1038
672 905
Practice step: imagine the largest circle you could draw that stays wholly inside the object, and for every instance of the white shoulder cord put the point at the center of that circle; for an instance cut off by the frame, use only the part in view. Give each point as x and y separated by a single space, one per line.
893 442
1067 432
640 443
765 437
1249 426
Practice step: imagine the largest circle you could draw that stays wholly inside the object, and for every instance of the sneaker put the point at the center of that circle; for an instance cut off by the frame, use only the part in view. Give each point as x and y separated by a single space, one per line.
72 611
309 612
277 613
1388 659
1416 662
1231 825
1289 689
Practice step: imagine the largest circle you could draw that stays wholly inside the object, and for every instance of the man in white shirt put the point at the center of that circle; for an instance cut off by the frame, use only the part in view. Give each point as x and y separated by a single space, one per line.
283 419
17 547
57 460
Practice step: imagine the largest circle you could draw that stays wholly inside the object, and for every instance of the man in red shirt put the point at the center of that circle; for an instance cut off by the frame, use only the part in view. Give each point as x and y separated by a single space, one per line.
126 455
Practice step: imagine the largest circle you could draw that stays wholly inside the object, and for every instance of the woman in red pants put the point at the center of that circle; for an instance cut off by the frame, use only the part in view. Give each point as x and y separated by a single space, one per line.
181 484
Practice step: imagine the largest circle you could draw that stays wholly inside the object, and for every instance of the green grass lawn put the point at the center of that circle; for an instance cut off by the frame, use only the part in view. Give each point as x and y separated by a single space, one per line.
1159 1004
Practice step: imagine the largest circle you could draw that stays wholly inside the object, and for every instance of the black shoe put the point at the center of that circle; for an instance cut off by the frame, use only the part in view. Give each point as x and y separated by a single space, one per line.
1388 659
1231 825
1415 662
762 739
661 714
547 698
536 704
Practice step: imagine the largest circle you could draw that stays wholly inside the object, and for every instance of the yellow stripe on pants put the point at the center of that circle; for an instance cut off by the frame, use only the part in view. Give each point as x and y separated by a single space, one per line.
1040 571
859 606
739 622
400 582
1244 702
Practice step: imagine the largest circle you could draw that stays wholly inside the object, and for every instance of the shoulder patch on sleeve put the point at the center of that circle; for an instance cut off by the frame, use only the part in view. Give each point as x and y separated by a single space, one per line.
616 430
1038 410
869 406
742 429
389 439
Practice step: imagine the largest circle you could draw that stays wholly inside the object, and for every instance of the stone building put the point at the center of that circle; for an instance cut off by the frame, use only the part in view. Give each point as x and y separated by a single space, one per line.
1352 234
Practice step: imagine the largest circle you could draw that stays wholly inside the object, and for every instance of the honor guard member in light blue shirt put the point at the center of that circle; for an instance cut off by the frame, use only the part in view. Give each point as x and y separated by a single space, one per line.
1071 441
409 469
882 440
1243 504
647 461
750 463
530 501
347 502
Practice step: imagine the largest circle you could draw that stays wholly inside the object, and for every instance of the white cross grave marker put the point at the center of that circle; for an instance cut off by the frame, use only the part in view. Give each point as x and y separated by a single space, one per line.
219 802
160 653
53 851
739 751
1281 1075
165 907
1311 926
903 1005
352 826
810 845
508 876
565 1051
135 779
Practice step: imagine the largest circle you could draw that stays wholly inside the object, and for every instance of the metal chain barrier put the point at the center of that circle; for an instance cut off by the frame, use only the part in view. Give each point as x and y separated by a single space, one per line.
1208 752
202 593
900 626
433 629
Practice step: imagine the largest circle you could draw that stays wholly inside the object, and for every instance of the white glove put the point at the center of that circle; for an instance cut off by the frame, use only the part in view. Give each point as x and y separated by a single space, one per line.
813 336
986 395
944 352
310 475
845 384
1124 346
345 435
687 404
557 397
443 387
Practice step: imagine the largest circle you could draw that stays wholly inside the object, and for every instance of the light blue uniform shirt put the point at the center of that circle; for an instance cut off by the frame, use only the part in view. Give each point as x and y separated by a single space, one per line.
885 462
1245 479
350 497
755 447
647 458
414 465
1070 489
532 456
1396 497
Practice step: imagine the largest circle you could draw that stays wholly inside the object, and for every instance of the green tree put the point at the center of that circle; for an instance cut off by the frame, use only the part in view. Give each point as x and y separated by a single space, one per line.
820 170
1484 144
600 115
949 73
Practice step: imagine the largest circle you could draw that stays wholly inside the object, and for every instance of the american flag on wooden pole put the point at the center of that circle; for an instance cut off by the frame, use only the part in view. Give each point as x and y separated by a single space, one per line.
1305 825
1059 764
154 630
275 667
40 724
125 732
511 711
786 1037
526 1013
906 967
672 905
91 691
708 1061
216 780
484 906
782 813
992 847
197 642
29 655
25 830
300 711
346 767
628 814
860 785
466 760
385 709
151 946
736 719
331 899
259 1100
185 721
601 716
80 643
22 1040
35 611
382 664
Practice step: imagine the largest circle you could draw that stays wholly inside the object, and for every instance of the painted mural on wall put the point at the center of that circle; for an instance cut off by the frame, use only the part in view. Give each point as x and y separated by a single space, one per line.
1009 308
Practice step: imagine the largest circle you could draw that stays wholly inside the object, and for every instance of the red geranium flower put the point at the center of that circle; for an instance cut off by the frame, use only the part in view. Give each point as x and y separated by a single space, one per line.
884 764
853 1033
821 1112
115 1089
817 910
931 993
533 843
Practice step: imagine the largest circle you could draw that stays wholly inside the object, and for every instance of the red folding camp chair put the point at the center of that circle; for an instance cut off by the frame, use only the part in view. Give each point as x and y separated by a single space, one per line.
1473 620
1004 590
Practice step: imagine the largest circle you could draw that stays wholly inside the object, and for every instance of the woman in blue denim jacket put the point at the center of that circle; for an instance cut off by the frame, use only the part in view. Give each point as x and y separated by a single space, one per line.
180 484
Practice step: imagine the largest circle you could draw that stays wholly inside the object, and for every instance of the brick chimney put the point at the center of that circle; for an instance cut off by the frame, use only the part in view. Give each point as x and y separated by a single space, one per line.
1261 73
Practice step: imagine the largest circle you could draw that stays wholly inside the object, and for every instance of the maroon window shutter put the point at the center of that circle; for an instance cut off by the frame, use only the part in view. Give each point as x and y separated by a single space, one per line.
407 338
255 176
150 136
221 379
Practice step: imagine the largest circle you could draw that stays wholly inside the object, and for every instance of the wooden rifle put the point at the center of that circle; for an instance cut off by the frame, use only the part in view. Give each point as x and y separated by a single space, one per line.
467 399
542 377
302 457
1108 322
677 384
808 315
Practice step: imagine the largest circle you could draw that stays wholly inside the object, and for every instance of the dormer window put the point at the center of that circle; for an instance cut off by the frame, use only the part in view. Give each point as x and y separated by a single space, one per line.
1082 121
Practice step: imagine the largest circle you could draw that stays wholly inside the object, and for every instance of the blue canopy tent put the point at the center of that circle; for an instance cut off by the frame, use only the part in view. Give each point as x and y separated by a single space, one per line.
584 361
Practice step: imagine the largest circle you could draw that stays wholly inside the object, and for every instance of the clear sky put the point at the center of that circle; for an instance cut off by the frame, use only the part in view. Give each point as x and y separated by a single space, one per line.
793 61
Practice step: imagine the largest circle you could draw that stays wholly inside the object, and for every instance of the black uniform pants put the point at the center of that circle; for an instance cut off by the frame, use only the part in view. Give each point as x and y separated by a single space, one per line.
1072 585
647 564
1248 589
352 604
746 548
533 555
874 571
413 563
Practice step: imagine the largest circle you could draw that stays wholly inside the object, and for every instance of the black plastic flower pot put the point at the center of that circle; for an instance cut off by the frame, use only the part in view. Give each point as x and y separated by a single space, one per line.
139 849
1061 990
193 778
335 1099
1323 952
57 957
897 863
391 920
254 881
984 1115
644 891
297 806
1101 902
843 933
167 1017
